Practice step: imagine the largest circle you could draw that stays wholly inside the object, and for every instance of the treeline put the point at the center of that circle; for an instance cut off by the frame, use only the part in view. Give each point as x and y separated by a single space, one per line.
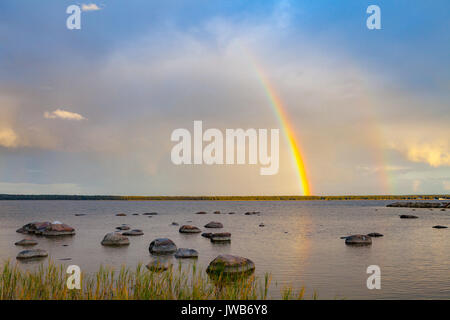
215 198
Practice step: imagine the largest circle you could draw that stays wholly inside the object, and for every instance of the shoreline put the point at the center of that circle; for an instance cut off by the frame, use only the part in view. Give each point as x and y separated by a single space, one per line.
222 198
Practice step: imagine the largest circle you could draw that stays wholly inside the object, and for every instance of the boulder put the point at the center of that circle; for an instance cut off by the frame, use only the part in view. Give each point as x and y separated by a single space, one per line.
32 254
121 215
134 232
115 239
26 242
221 237
158 265
374 234
216 212
358 239
189 229
150 214
174 224
214 224
231 212
408 216
184 253
123 227
79 214
162 246
201 212
230 265
440 227
46 228
252 213
262 225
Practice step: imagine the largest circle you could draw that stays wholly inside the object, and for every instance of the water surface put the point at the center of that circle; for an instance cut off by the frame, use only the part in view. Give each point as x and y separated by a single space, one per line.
299 246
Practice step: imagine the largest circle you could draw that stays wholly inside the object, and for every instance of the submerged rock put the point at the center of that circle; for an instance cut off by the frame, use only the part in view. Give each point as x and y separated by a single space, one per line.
408 216
440 227
214 224
158 265
162 246
262 225
174 224
115 239
26 242
150 214
231 212
121 215
184 253
123 227
201 212
134 232
32 254
252 213
79 214
189 229
228 264
358 239
375 234
221 237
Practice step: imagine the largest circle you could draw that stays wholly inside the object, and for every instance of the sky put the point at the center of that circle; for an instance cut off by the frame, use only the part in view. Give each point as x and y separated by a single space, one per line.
91 111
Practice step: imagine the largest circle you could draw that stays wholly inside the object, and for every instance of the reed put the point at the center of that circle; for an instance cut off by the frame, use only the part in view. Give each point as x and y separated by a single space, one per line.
48 282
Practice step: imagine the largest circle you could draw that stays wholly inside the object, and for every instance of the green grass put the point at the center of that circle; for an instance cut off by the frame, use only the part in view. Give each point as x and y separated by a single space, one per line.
49 283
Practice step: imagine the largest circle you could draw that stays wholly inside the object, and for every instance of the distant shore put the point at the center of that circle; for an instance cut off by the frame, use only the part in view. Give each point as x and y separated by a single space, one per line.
222 198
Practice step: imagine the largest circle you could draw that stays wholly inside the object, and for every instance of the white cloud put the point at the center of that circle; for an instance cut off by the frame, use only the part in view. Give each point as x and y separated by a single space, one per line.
8 138
90 7
63 114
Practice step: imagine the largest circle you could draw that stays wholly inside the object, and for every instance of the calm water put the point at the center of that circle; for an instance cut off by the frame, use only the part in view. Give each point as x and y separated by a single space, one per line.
299 244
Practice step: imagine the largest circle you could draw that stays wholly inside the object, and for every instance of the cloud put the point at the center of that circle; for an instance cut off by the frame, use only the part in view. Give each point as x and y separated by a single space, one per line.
90 7
63 114
8 138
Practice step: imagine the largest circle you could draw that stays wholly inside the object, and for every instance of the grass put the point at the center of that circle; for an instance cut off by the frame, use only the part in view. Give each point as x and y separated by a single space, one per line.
48 282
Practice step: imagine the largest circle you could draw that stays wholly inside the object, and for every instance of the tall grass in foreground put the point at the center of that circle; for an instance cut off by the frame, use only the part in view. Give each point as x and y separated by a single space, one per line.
49 283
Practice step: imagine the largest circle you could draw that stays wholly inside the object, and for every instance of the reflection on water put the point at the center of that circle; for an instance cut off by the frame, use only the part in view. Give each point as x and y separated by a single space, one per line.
299 244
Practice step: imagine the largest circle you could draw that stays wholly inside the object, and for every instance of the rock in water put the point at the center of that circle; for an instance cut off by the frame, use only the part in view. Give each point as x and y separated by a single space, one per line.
184 253
216 212
358 239
201 212
207 234
115 239
26 242
121 215
150 214
162 246
189 229
214 224
230 265
134 232
123 227
158 265
221 237
408 216
374 234
32 254
47 229
174 224
440 227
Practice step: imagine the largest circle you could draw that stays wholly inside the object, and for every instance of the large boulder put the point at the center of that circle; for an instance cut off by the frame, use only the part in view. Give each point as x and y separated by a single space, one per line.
184 253
220 237
162 246
189 229
230 265
214 224
46 228
32 254
115 239
134 232
26 242
358 239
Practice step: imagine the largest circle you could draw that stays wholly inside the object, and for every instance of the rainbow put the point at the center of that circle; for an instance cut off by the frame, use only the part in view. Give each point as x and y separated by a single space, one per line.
282 117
